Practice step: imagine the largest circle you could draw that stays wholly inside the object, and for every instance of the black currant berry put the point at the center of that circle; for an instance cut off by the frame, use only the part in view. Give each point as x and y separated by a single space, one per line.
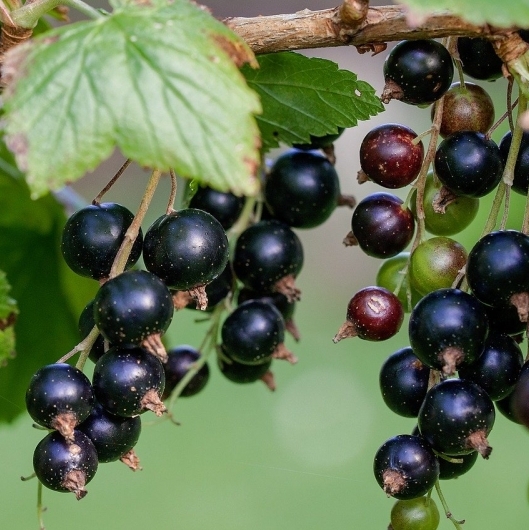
302 189
63 465
59 397
373 313
128 381
187 249
452 469
85 326
403 382
505 407
405 467
225 207
469 164
448 327
497 369
268 256
505 319
415 514
390 155
179 361
243 374
253 332
133 307
112 436
418 72
92 236
381 225
521 169
456 417
498 270
518 404
478 58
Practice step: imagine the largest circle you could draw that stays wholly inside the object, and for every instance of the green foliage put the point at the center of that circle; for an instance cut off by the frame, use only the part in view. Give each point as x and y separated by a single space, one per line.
303 96
511 13
50 297
8 314
159 82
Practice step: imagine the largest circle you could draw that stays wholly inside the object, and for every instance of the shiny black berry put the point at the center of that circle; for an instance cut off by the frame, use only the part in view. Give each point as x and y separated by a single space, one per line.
521 169
240 373
456 417
92 236
59 397
301 189
478 58
225 207
406 467
65 466
456 466
418 72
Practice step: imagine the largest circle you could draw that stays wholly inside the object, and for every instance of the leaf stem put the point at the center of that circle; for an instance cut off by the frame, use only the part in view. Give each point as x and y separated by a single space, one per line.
28 15
457 524
113 180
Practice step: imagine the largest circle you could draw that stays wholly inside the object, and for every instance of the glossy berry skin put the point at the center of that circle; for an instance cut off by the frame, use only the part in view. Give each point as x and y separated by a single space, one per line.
415 514
57 389
375 313
498 267
132 306
85 325
381 225
518 404
225 207
478 58
421 69
186 249
242 374
497 369
179 361
405 467
453 413
112 436
301 189
468 164
265 253
505 407
468 108
92 236
448 327
56 462
389 157
449 470
521 169
123 377
505 319
403 382
279 300
252 332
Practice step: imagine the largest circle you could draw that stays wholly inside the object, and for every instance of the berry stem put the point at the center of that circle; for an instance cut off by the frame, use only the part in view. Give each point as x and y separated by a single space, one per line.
28 15
174 187
455 522
84 347
120 171
40 508
507 114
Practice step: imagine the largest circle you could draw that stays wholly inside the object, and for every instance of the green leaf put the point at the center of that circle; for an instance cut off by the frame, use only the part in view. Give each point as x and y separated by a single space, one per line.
303 96
50 297
8 315
158 81
504 14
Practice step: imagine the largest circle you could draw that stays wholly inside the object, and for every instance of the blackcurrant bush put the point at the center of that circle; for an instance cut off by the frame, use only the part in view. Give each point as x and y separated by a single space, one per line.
521 169
92 236
133 308
59 397
381 225
403 382
179 361
63 465
225 207
112 436
478 58
418 72
253 332
466 108
448 327
469 164
497 369
415 514
456 417
498 270
301 189
268 256
390 155
128 381
242 373
406 467
373 313
85 326
187 249
455 467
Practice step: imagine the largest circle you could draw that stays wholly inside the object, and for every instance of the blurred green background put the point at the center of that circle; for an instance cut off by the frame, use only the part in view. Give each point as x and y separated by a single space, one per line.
300 457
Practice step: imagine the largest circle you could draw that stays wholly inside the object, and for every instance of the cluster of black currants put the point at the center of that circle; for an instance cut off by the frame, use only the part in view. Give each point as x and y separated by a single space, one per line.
464 355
